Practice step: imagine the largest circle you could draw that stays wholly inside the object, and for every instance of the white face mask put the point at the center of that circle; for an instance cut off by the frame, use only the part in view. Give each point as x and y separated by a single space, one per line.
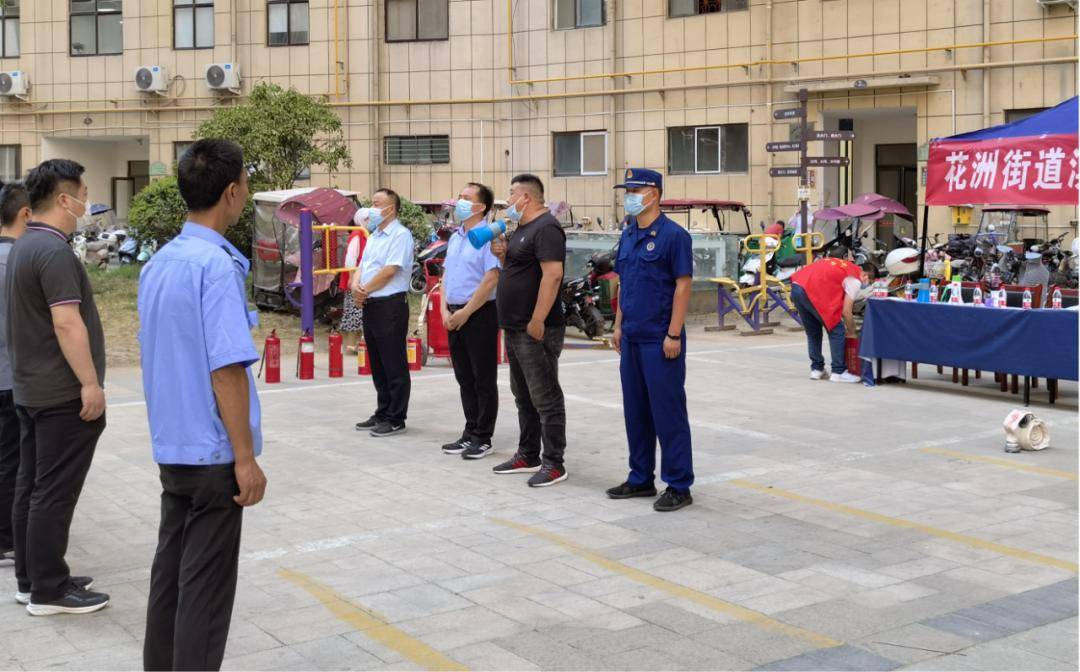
86 209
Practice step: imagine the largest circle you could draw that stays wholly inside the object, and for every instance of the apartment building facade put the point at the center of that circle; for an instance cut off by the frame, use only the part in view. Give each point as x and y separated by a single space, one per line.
434 93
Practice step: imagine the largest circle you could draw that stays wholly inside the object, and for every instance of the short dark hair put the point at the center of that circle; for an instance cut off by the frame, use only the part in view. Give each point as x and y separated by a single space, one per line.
205 171
530 180
13 198
838 252
46 179
486 196
870 269
392 195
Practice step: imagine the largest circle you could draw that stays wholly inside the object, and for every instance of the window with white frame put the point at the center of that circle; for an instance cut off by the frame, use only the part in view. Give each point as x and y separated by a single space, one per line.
9 162
709 149
9 29
417 20
193 24
416 150
97 27
678 8
581 153
578 14
288 23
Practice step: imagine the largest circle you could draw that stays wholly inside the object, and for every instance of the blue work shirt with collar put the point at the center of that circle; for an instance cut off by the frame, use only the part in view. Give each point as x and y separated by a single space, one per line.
649 262
193 321
465 267
389 246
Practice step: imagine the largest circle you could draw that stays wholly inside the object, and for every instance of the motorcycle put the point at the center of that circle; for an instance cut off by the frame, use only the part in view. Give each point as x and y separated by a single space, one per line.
429 260
579 299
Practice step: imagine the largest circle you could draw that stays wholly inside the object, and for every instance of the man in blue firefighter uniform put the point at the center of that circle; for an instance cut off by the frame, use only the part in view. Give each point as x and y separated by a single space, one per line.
655 263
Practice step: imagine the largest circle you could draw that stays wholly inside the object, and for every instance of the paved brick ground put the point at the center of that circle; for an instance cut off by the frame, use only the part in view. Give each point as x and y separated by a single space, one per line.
823 534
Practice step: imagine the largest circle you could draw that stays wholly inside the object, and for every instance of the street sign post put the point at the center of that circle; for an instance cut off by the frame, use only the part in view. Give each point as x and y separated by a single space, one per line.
832 135
790 113
828 161
787 171
783 147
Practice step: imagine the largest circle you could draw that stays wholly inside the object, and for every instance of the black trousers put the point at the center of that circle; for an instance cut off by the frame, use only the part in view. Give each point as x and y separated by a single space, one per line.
474 352
386 326
193 580
534 380
9 466
56 449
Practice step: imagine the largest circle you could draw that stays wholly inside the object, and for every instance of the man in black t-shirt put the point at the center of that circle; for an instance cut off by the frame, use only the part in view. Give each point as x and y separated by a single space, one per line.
57 352
531 314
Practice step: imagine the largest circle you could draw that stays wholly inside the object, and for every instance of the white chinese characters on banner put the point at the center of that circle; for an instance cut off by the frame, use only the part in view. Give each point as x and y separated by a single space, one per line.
984 174
1017 162
955 176
981 172
1049 168
1074 168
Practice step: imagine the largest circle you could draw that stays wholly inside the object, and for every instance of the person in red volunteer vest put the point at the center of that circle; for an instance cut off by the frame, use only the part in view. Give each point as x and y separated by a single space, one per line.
824 293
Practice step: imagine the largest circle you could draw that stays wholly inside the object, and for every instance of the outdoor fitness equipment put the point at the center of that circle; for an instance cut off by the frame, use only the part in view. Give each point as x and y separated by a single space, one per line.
754 304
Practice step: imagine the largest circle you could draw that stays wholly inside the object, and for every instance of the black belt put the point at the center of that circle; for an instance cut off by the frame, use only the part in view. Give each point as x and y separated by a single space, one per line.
459 306
374 300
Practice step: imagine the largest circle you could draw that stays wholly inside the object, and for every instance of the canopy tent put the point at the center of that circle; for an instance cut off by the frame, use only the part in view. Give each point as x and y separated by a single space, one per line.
1028 162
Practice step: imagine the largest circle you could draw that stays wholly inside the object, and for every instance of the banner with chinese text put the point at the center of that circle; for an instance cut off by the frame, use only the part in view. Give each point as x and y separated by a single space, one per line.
1034 161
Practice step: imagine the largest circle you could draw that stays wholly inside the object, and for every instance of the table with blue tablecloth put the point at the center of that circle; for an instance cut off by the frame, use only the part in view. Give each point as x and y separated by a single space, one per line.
1030 343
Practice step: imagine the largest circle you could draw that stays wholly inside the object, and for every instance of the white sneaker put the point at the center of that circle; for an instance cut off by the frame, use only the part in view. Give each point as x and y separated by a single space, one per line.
817 375
845 377
22 598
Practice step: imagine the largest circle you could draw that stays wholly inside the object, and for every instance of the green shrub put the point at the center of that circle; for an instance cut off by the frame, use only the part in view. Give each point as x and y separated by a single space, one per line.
158 213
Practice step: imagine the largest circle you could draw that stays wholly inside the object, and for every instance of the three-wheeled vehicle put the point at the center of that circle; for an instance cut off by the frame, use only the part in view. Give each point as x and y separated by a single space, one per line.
1019 227
276 245
727 214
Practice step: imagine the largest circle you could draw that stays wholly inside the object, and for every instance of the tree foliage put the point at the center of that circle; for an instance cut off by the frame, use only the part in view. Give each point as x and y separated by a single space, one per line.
158 213
283 133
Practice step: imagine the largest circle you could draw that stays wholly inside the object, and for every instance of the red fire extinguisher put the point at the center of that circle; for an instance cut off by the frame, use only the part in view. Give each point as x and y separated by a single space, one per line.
501 345
272 357
363 366
305 358
337 363
413 353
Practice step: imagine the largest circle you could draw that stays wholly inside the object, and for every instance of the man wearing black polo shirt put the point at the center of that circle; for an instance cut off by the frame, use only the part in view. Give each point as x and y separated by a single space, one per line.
531 314
57 351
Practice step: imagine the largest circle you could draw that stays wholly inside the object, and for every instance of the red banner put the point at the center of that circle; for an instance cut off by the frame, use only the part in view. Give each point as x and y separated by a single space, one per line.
1034 170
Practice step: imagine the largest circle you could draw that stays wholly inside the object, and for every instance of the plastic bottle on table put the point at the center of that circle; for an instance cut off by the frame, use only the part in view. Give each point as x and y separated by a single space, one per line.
955 293
1027 299
909 292
977 298
1056 301
933 292
1002 299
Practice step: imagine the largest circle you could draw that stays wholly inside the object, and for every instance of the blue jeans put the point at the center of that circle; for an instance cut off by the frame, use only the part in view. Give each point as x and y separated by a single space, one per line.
813 326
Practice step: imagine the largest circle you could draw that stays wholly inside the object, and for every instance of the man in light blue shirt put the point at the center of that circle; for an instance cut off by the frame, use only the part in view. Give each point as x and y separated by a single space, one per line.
470 276
380 288
203 409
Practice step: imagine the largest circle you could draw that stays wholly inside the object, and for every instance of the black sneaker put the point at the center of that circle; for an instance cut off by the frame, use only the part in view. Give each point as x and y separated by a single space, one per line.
518 464
626 491
388 429
672 501
457 447
370 423
476 450
84 582
75 601
549 474
7 557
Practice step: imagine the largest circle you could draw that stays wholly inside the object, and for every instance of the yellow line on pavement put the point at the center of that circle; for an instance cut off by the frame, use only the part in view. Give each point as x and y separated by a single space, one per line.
967 540
1008 464
705 600
374 625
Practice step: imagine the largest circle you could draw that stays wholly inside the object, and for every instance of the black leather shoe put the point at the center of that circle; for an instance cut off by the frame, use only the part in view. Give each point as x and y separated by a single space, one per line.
626 491
672 501
370 423
75 601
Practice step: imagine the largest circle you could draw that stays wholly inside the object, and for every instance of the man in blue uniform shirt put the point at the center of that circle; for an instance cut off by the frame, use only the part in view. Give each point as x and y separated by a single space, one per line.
655 264
204 414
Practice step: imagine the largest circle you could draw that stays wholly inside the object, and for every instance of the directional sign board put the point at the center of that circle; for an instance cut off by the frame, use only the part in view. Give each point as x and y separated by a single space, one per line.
783 146
826 161
786 171
790 113
832 135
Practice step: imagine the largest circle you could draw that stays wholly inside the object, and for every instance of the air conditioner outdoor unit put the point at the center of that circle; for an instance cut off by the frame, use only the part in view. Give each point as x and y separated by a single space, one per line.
15 84
223 77
152 79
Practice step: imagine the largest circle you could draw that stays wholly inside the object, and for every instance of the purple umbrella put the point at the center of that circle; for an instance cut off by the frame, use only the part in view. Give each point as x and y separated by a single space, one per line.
850 211
887 205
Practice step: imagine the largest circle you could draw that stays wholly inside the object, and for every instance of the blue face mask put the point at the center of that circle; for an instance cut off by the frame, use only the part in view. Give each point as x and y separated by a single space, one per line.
463 210
375 218
633 204
513 213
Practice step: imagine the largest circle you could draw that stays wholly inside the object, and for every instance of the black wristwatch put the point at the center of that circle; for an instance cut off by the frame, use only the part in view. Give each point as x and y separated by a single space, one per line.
674 338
